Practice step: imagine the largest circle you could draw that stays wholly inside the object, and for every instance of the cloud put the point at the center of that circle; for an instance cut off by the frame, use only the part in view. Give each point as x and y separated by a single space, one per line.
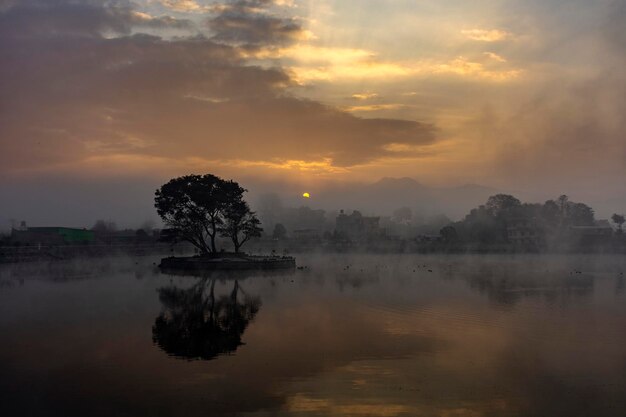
310 64
375 107
183 5
495 56
364 96
247 22
53 18
486 35
81 97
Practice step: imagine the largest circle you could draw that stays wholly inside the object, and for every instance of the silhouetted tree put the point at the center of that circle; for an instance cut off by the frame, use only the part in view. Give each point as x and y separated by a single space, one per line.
562 203
619 220
449 234
579 214
551 213
563 213
279 231
239 224
500 203
104 226
194 207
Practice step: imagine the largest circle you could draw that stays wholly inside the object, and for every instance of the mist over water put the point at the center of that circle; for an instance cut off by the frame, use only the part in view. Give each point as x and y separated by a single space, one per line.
380 335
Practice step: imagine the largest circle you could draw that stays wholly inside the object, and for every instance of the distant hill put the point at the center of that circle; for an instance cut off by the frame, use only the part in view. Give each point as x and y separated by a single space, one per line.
389 194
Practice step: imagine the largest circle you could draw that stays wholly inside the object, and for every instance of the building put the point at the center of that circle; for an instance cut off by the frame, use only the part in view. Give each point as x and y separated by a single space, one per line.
600 228
51 236
524 231
357 227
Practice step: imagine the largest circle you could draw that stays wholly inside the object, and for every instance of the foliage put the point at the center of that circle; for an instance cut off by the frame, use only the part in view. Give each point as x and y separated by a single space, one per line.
239 224
279 231
619 220
449 234
490 222
104 226
198 207
500 204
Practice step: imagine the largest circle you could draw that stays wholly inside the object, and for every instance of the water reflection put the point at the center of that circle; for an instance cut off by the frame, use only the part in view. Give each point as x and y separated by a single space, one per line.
512 287
195 324
350 336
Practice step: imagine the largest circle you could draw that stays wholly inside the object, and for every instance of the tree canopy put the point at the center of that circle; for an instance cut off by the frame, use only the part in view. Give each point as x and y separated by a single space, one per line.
200 207
619 220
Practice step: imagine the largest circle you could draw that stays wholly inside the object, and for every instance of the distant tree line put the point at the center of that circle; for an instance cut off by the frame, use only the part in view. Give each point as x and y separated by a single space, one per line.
490 222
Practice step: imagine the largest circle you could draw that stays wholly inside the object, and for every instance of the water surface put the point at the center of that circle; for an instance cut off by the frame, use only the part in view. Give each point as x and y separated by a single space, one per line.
367 335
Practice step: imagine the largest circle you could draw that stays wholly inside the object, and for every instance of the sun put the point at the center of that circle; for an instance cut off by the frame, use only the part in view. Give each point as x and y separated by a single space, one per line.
306 195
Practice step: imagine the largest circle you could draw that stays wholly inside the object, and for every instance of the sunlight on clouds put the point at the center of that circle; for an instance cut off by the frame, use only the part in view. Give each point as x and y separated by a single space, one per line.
375 70
486 35
364 96
285 3
142 164
375 107
356 70
183 5
495 57
308 63
324 166
310 54
463 67
401 147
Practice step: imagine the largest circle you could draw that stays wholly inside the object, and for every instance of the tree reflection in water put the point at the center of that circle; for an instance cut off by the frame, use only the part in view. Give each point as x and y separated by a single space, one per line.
194 324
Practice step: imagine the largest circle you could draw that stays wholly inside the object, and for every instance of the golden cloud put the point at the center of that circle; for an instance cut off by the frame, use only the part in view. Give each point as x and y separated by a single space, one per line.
486 35
364 96
308 63
375 107
183 5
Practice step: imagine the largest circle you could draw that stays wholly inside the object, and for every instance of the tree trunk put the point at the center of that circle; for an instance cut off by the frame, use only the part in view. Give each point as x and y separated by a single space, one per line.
212 235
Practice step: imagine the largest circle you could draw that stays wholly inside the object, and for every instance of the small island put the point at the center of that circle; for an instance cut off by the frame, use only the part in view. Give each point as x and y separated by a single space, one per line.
200 208
226 262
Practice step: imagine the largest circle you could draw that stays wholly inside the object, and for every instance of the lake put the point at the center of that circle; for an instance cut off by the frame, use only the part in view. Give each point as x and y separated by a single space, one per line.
348 335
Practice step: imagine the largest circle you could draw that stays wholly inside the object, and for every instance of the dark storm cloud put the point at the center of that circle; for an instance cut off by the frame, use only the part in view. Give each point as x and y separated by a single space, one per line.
247 22
67 98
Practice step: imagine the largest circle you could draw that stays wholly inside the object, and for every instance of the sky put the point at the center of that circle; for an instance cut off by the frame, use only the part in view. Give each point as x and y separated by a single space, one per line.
102 101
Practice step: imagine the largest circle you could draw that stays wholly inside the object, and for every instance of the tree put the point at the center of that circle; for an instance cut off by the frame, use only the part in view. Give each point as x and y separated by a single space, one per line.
501 203
449 234
104 226
619 220
562 203
580 214
240 224
279 231
194 206
563 213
